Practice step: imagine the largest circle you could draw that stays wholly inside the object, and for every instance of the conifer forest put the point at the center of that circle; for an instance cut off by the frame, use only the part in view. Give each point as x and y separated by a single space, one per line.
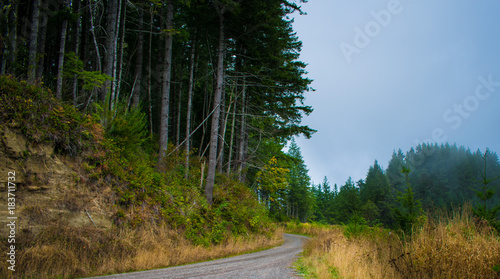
221 80
177 121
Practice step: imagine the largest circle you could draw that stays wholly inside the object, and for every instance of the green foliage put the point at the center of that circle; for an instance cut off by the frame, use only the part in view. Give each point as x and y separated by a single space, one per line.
126 127
300 196
441 176
115 155
377 192
410 212
370 212
168 196
235 211
271 183
485 193
41 118
274 48
324 197
347 202
73 66
356 226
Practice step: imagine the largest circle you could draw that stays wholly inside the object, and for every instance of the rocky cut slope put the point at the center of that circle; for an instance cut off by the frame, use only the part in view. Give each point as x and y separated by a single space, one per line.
44 189
43 144
48 187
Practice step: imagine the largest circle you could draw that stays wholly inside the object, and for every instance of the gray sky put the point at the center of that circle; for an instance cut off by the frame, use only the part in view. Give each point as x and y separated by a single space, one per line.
391 74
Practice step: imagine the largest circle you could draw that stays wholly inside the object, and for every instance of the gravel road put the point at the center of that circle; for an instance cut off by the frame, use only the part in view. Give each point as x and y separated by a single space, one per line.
272 263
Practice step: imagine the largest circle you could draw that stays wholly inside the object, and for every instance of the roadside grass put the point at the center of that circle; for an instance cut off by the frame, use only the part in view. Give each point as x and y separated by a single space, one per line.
181 251
63 252
451 246
331 254
448 246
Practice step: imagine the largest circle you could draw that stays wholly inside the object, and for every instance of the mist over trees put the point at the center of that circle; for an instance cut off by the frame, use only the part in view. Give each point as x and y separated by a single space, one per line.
426 178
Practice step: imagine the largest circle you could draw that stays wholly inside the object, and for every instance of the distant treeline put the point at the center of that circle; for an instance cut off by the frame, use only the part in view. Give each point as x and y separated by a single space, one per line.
441 177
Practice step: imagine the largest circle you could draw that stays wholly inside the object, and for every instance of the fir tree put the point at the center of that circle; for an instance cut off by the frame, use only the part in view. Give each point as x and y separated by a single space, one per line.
485 193
300 197
410 211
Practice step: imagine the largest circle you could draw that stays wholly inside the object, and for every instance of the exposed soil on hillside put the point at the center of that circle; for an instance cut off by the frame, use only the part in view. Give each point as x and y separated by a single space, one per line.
50 188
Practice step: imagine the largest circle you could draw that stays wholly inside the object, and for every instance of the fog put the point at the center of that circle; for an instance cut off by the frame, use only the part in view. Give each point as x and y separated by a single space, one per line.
393 74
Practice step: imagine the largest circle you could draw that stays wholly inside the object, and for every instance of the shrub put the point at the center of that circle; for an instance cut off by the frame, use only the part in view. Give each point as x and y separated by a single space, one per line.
41 118
357 225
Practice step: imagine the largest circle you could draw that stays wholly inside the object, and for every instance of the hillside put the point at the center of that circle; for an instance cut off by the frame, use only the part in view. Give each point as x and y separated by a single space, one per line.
91 202
146 134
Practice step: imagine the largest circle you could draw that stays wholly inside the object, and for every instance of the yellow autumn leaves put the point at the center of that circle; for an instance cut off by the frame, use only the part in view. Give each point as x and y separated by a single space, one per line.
271 179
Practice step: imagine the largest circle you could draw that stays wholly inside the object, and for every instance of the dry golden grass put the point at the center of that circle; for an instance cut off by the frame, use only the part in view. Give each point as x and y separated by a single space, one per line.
329 254
446 247
338 257
180 251
451 247
64 252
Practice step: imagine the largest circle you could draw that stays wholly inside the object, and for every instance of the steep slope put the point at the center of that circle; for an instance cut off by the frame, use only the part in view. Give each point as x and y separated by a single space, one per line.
89 200
48 187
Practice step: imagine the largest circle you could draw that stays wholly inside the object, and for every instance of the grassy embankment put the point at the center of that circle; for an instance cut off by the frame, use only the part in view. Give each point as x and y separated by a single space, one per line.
444 247
68 252
156 217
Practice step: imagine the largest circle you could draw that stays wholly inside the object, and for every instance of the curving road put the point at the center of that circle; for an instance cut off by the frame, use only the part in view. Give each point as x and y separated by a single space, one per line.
272 263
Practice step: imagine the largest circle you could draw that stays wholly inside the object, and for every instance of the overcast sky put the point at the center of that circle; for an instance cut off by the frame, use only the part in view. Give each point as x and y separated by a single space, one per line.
391 74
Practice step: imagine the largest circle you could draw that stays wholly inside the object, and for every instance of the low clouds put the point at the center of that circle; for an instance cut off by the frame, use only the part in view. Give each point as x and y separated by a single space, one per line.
404 87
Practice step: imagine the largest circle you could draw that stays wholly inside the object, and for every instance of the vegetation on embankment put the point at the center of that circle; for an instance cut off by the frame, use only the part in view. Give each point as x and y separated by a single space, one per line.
156 216
69 252
457 246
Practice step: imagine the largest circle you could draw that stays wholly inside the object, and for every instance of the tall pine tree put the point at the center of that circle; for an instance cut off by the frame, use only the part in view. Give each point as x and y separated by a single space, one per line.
300 198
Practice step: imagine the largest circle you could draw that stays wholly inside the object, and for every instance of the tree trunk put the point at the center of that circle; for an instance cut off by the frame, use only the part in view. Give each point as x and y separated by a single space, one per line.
214 132
77 49
242 136
149 72
189 104
230 155
33 41
111 43
179 106
9 58
114 67
206 107
118 68
138 61
13 33
42 36
94 38
202 172
62 48
167 71
222 131
224 119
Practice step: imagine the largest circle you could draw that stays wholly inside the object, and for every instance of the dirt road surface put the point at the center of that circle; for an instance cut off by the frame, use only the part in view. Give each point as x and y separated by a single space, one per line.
273 263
